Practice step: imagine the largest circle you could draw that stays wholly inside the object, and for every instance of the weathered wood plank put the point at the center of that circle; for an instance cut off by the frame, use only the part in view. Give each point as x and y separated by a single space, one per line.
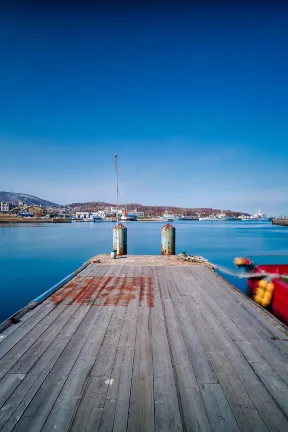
141 409
90 409
23 410
202 367
193 410
167 411
242 326
9 342
261 398
252 323
262 368
242 407
27 341
12 328
271 414
38 409
39 372
219 411
188 363
249 419
47 329
235 393
208 339
116 406
62 352
31 356
87 270
201 364
8 384
67 395
101 377
65 407
32 382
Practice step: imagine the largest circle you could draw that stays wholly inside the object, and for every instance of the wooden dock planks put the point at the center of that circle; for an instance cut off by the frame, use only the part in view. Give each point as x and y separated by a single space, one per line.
97 356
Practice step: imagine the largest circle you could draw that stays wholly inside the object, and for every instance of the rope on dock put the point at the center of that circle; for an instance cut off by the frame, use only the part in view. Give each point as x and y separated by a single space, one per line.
192 258
241 275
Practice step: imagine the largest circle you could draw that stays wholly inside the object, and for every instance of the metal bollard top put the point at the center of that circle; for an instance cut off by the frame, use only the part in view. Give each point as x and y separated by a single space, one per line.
119 226
168 227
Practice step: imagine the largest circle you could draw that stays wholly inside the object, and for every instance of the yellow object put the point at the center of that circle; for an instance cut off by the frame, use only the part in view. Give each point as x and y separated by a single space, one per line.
238 261
263 283
260 292
265 303
264 293
267 297
270 287
258 299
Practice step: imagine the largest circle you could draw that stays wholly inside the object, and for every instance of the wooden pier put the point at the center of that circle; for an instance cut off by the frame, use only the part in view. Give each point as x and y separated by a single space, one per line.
283 222
144 344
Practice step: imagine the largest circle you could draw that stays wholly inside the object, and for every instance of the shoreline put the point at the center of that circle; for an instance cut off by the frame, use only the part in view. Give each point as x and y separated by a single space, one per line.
282 222
12 220
31 220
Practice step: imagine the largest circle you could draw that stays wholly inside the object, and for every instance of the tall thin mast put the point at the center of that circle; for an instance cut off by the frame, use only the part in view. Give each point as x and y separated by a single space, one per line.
116 162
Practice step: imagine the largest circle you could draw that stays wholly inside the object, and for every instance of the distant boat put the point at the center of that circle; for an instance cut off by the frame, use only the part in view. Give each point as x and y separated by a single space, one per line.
223 217
208 218
243 217
177 218
96 219
127 217
168 217
218 217
257 217
260 216
187 218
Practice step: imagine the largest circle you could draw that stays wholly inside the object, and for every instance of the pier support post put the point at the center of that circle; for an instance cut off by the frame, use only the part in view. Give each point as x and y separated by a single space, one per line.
168 240
120 239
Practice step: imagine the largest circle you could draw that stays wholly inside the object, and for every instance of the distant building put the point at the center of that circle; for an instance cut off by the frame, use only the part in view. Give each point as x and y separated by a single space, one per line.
113 210
83 215
20 203
105 213
61 210
139 214
4 206
95 214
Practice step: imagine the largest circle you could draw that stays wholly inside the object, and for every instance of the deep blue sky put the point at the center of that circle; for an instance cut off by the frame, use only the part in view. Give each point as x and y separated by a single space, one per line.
194 99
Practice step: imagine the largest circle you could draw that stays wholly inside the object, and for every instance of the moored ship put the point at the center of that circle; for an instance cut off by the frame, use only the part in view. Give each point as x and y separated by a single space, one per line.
269 287
257 217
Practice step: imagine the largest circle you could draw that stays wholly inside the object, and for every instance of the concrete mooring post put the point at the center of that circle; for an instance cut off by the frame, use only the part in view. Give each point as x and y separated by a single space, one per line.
120 239
168 240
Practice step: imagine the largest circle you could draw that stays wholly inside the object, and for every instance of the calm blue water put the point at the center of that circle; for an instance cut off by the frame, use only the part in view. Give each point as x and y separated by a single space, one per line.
33 258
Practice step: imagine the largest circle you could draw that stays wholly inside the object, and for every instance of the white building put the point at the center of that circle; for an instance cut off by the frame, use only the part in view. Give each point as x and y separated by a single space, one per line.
113 210
105 213
83 215
4 206
139 214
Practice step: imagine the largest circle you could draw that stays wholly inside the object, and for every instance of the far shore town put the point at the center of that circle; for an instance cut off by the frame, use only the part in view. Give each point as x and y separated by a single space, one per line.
96 212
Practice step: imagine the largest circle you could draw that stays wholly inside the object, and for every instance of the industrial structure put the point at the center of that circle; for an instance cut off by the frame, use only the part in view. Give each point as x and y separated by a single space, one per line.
4 206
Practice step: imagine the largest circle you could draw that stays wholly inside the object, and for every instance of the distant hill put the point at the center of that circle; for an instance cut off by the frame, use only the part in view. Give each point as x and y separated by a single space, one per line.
151 210
15 197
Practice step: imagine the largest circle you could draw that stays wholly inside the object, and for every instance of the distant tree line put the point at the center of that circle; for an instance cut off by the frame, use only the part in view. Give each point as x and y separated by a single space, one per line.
152 211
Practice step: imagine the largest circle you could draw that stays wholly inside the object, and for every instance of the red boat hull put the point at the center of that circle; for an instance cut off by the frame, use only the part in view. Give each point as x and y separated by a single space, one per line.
279 303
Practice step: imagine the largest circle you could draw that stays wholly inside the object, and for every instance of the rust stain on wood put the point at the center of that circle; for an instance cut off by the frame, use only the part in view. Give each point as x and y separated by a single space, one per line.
107 291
